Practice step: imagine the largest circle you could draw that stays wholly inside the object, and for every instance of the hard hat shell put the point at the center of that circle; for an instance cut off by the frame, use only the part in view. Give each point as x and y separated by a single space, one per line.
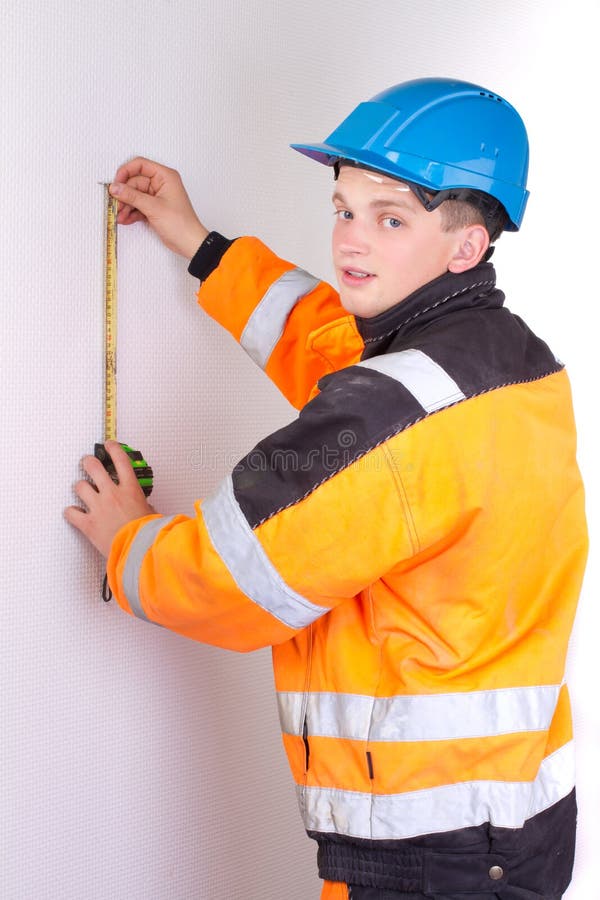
441 134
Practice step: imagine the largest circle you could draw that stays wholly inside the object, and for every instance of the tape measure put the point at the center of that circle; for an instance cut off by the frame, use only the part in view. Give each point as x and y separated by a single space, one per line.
110 317
140 466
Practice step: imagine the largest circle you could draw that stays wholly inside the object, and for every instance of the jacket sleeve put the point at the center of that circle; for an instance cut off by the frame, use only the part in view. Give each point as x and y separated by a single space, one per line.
311 517
290 323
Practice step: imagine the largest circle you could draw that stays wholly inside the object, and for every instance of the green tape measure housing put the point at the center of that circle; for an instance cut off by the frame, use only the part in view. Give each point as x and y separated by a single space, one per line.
143 471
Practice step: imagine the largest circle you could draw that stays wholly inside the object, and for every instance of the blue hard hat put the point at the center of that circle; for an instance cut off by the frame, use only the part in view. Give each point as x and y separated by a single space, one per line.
441 134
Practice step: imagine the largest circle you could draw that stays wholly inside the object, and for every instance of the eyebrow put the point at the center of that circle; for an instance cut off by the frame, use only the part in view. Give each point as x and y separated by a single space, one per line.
378 204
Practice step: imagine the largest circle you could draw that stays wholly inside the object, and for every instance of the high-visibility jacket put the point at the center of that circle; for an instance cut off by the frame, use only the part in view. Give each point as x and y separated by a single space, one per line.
412 546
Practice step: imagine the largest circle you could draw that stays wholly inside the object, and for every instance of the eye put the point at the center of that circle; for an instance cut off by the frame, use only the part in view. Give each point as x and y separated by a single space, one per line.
343 214
392 222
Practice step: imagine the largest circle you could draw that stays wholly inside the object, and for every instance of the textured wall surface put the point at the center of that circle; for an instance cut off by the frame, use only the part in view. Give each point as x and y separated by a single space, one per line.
136 765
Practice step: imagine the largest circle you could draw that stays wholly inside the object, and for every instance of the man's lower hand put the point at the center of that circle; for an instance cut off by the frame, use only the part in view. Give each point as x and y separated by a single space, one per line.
108 506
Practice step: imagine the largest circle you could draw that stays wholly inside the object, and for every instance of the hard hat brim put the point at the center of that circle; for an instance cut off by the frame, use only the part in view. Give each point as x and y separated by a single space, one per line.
425 172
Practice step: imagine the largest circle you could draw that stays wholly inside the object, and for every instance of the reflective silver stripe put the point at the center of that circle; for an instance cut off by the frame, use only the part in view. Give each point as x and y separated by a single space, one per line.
267 322
131 574
248 564
429 384
434 717
393 816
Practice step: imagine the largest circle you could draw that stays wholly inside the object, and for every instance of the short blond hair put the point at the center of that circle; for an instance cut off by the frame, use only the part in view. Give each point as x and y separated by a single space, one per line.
460 213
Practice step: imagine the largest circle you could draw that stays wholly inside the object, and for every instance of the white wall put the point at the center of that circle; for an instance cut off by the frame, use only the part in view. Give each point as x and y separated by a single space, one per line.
136 764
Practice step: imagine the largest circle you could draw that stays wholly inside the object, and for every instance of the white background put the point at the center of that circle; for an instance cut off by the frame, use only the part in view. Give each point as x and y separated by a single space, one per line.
136 765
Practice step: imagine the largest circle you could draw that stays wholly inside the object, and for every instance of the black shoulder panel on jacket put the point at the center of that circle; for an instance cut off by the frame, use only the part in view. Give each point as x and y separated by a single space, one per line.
484 349
458 355
357 409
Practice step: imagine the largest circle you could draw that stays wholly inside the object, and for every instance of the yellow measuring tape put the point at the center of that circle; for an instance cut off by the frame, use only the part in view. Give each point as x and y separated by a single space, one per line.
110 317
141 468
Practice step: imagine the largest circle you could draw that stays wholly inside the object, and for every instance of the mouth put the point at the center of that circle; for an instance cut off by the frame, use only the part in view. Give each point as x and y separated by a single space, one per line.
355 277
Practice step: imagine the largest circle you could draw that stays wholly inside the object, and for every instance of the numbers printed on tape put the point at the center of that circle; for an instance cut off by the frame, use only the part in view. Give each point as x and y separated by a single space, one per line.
110 318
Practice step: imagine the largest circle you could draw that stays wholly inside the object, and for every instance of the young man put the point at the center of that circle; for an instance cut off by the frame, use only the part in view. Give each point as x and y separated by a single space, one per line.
412 546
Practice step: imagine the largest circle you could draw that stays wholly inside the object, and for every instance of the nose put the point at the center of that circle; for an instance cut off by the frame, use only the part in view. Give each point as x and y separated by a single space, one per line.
350 237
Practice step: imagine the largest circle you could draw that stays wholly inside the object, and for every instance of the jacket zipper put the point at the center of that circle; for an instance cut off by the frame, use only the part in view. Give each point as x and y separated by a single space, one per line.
306 745
305 699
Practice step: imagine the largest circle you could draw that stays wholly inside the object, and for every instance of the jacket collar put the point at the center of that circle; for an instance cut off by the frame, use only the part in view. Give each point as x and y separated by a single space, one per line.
448 293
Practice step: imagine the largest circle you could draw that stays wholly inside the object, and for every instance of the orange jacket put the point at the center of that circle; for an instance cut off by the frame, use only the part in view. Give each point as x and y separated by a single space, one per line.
413 547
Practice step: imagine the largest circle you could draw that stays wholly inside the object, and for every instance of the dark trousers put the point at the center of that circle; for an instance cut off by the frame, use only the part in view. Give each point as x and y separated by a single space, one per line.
365 893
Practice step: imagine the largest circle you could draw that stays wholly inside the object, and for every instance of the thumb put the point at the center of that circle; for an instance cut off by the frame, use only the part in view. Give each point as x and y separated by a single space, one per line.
139 200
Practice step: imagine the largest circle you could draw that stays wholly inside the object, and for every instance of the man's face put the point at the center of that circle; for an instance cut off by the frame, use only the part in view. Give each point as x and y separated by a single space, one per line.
385 244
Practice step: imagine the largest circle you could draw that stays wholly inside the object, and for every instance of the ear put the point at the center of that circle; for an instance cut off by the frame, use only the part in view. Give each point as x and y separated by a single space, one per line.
473 242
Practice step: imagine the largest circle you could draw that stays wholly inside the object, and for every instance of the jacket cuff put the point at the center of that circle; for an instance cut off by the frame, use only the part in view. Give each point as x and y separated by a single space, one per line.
209 255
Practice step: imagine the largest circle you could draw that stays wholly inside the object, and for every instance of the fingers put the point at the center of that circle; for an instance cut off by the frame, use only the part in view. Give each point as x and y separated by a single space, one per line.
80 519
141 166
142 183
94 468
133 183
130 197
109 506
76 516
141 175
122 464
86 492
149 192
128 214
